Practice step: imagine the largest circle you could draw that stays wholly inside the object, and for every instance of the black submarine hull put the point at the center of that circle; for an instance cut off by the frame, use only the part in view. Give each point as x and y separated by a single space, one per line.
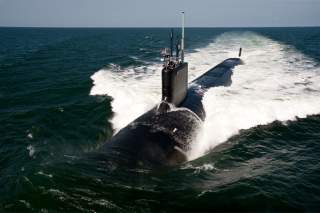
163 135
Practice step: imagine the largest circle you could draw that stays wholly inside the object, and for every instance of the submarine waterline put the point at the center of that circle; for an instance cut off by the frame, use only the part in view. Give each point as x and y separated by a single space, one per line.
162 136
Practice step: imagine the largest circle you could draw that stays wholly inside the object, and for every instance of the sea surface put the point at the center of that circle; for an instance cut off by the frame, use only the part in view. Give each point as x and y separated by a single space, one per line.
65 92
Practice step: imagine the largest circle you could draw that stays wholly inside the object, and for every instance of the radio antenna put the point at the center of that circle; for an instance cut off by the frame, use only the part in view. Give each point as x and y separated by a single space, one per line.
171 43
182 39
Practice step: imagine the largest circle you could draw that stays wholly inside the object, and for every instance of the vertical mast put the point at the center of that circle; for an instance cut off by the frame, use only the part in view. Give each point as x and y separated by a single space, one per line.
182 39
171 43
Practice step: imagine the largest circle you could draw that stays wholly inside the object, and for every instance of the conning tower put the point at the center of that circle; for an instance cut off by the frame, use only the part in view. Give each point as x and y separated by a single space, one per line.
175 72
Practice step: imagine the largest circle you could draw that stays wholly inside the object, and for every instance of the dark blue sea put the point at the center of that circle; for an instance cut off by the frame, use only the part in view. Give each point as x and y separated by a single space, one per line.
65 92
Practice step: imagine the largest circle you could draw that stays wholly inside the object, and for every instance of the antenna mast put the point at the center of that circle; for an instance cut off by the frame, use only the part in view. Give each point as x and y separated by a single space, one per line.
182 39
171 43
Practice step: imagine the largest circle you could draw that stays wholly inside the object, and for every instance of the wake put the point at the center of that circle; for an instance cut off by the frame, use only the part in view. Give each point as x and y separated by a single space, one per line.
276 83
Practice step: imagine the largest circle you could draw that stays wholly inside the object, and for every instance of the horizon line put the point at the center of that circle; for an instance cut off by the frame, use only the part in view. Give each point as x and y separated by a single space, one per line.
101 27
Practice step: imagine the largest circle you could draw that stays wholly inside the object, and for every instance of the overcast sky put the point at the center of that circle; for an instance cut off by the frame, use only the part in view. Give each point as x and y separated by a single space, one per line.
159 13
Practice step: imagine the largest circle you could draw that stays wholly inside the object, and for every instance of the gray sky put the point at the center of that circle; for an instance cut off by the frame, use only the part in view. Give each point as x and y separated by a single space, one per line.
160 13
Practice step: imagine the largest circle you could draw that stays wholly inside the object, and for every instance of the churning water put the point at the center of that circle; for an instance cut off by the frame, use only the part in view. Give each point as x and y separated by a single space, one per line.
65 92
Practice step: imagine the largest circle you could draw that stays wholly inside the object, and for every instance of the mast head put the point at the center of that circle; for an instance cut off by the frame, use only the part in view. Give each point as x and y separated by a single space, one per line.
167 53
182 38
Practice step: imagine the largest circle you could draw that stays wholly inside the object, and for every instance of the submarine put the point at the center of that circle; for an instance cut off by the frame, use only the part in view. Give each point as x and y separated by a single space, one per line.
163 135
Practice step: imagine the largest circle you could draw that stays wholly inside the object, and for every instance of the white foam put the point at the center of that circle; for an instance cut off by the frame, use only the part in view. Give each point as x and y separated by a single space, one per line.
131 96
30 135
31 150
44 174
137 89
277 82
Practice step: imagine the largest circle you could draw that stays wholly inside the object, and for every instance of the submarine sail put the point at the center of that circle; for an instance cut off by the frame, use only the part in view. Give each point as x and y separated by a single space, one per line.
163 135
175 73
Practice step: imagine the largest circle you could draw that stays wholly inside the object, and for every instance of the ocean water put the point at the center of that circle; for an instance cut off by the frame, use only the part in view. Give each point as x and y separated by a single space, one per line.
65 92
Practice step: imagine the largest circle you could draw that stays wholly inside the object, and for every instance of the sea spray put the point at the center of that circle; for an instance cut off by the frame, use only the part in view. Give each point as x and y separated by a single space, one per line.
277 82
